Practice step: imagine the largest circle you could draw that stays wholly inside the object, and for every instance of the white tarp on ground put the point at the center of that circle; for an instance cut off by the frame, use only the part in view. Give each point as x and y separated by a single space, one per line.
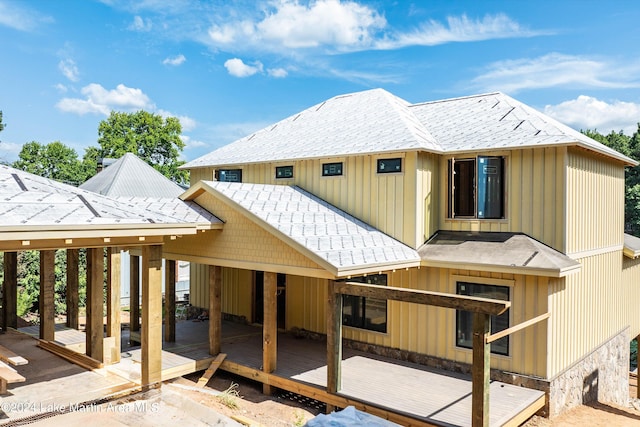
349 417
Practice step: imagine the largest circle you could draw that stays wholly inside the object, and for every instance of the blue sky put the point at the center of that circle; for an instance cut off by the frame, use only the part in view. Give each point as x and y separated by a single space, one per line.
228 68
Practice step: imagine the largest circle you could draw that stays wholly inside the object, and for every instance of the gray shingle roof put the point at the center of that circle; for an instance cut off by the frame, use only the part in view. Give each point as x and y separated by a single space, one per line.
29 200
491 251
375 121
332 237
131 176
363 122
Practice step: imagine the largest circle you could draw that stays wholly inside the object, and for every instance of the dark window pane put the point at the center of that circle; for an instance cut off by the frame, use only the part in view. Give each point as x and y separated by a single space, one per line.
366 313
389 165
490 187
464 319
464 201
229 175
284 172
332 169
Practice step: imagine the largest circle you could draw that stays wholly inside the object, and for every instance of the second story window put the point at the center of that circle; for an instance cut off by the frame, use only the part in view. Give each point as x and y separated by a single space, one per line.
476 188
284 172
229 175
389 165
332 169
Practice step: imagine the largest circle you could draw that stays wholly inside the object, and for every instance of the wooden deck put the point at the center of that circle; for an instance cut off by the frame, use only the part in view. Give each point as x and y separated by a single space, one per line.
418 395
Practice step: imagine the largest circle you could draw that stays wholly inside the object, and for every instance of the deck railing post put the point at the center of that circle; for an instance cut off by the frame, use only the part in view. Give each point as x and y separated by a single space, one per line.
72 296
480 371
215 309
94 326
334 339
47 294
270 327
113 303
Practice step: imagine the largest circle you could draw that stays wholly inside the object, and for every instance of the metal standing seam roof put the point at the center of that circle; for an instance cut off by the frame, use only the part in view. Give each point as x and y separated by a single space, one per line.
490 251
331 237
358 123
28 201
375 121
131 176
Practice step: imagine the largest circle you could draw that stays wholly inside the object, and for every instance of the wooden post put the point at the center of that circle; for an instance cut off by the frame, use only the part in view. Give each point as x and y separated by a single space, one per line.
480 371
47 295
637 380
72 288
151 316
10 291
169 300
134 294
113 302
270 327
334 342
215 309
94 329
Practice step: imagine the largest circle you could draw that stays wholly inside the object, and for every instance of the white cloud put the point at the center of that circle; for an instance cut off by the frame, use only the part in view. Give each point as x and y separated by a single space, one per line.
19 18
69 69
237 68
9 151
277 72
101 101
140 24
586 112
457 29
554 70
291 25
192 143
175 61
61 88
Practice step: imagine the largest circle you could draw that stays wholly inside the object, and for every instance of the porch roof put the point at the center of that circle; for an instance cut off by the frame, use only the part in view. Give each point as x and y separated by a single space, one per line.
339 242
498 252
34 209
631 246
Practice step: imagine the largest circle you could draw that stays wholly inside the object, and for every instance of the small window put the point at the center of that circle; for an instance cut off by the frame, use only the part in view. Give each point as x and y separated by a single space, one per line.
229 175
476 188
366 313
332 169
389 165
464 319
284 172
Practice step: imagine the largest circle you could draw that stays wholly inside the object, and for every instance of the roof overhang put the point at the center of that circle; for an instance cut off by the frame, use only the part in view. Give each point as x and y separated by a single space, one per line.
513 253
631 247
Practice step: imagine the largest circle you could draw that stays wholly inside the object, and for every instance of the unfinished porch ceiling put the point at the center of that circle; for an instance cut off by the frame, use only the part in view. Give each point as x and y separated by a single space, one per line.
486 251
329 236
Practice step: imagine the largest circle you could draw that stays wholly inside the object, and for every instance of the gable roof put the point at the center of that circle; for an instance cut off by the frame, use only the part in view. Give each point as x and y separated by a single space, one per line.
327 235
375 121
371 121
130 176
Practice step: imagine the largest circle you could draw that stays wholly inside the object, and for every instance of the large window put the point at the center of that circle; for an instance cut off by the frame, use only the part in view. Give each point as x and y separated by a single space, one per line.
229 175
464 319
366 313
476 188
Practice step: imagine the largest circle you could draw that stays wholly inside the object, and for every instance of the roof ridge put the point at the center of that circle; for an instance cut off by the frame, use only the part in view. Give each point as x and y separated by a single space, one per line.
458 98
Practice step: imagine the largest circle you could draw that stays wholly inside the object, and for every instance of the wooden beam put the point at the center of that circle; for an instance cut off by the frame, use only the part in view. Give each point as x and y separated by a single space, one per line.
114 308
516 328
151 317
134 294
72 296
458 302
480 371
215 364
169 300
334 340
46 299
94 329
215 309
10 291
10 357
79 359
270 326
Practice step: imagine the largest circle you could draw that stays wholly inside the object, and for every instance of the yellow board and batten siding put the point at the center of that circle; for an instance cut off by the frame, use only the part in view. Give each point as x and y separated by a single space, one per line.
592 306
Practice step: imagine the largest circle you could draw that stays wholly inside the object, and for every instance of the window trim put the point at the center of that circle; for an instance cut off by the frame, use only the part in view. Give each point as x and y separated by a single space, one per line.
385 172
283 167
450 190
341 163
453 281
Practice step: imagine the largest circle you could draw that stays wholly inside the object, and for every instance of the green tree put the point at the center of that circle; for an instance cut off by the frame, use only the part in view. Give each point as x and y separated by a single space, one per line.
54 160
154 139
1 123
